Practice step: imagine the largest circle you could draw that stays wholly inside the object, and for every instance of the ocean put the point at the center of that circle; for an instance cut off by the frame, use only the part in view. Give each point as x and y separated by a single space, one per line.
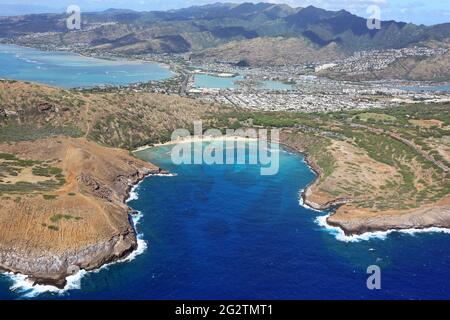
69 70
226 232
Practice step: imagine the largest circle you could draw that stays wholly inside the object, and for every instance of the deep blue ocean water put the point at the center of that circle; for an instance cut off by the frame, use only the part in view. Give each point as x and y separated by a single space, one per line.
225 232
68 70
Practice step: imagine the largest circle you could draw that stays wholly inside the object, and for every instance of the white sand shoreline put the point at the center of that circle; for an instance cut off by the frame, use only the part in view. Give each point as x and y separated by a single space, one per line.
194 139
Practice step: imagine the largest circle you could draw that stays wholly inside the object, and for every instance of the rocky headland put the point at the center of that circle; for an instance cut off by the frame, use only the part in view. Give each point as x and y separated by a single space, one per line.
346 211
83 223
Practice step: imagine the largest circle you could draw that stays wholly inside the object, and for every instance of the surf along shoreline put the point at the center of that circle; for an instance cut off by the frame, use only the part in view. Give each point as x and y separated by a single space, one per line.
31 286
38 286
334 205
329 208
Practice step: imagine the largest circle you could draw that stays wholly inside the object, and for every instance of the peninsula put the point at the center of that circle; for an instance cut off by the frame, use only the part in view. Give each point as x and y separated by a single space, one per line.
63 180
369 109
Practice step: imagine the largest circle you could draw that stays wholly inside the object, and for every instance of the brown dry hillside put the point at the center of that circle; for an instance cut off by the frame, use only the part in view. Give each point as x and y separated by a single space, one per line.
62 192
396 178
67 208
125 120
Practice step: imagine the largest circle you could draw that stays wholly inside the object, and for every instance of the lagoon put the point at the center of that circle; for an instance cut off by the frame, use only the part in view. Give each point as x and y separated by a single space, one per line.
207 81
69 70
437 88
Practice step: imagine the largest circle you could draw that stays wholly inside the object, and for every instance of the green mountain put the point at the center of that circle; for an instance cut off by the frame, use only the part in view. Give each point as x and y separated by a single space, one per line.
202 27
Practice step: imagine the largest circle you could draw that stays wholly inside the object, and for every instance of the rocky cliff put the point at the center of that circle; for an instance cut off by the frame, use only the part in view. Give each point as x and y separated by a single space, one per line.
49 232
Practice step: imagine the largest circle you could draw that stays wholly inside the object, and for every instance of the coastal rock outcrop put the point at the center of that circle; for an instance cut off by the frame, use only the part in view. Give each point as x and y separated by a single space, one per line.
80 225
352 178
46 107
48 268
356 222
95 187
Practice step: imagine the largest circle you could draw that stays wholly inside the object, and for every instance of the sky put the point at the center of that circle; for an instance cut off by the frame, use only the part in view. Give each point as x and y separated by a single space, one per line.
417 11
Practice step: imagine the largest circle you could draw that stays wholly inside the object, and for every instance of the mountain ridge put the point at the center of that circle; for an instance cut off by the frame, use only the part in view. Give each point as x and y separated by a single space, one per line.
198 28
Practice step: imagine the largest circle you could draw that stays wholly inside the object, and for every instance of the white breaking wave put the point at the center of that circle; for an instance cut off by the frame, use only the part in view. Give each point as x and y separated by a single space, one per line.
381 235
302 202
141 243
27 60
163 175
133 195
24 286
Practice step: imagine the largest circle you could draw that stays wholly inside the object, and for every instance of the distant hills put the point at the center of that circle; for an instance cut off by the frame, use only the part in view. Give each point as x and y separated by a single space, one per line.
199 28
263 51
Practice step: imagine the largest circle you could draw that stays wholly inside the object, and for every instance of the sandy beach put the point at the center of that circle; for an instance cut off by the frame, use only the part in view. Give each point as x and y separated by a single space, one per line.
194 139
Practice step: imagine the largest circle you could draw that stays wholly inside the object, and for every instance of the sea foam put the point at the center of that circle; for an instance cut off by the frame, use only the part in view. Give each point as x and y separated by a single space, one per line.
24 287
340 235
133 195
302 203
381 235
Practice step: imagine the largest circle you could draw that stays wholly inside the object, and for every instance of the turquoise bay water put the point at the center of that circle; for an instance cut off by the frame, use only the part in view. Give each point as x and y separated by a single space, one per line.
437 88
214 82
225 232
68 70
